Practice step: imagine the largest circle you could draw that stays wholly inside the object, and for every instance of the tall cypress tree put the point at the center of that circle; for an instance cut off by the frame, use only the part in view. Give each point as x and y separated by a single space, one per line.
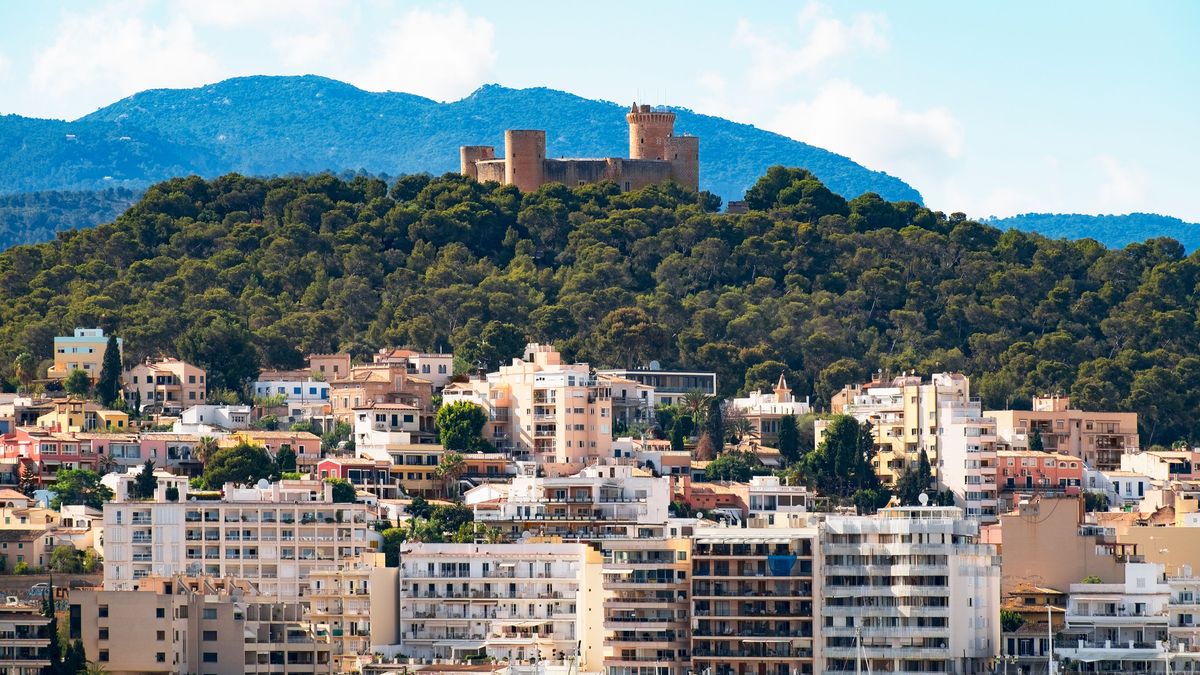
714 425
108 387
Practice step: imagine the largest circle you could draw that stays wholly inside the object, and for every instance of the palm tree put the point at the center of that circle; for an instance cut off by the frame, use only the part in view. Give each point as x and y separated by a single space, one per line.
105 464
205 449
451 467
696 403
25 368
93 668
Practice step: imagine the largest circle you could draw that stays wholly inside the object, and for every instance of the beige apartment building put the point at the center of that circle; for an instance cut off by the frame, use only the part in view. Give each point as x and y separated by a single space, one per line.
1098 438
274 537
340 608
82 351
543 410
903 415
384 383
166 386
754 607
201 625
647 606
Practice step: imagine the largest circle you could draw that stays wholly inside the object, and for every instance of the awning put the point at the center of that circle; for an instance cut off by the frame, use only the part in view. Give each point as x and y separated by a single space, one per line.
521 624
507 565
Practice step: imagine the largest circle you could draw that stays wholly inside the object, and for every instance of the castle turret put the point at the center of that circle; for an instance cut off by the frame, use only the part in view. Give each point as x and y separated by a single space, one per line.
469 154
524 157
782 392
648 132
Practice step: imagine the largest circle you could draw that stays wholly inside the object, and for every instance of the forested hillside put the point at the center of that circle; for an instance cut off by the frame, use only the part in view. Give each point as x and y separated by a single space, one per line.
34 217
240 273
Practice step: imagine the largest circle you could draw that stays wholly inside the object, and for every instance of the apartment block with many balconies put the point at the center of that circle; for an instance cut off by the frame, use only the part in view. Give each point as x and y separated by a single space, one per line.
274 537
909 590
543 410
1098 438
967 461
647 606
520 603
754 605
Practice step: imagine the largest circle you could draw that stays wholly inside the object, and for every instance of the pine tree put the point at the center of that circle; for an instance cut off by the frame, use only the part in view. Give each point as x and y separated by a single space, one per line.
677 437
714 425
789 438
54 650
108 387
145 482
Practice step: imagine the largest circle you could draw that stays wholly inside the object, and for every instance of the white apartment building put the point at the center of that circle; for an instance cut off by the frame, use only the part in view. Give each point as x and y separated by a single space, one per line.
515 602
274 535
304 396
208 419
1124 627
599 502
967 461
767 495
437 369
669 386
909 590
543 410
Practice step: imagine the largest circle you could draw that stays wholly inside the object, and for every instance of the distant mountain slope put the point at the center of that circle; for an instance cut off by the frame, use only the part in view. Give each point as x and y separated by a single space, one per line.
34 217
1112 231
277 125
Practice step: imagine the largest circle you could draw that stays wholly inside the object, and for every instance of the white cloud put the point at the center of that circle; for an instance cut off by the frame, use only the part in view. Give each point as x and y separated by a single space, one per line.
300 50
262 14
103 55
823 38
1125 185
443 55
875 130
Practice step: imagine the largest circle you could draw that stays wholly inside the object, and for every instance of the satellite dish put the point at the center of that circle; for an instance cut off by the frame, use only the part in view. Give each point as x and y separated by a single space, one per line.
924 499
262 484
655 365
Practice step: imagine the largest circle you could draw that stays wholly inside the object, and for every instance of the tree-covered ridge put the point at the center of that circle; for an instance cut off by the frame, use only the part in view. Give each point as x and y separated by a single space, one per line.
281 125
1110 230
240 273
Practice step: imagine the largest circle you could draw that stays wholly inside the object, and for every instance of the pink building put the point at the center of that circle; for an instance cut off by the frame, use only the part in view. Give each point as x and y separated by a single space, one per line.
43 452
371 475
176 452
544 410
1033 471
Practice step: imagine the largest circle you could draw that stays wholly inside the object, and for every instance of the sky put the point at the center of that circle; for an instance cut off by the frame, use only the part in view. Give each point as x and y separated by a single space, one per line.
992 109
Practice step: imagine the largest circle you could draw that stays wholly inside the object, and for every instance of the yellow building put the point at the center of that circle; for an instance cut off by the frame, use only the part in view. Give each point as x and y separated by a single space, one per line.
82 351
306 446
1098 438
903 415
74 415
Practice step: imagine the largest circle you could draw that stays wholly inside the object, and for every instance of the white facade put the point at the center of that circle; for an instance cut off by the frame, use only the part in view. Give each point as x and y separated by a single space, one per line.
515 602
206 419
768 495
967 461
910 589
606 500
1124 625
273 537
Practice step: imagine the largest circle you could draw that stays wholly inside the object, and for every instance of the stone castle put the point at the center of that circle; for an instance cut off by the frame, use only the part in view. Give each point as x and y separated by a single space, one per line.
656 155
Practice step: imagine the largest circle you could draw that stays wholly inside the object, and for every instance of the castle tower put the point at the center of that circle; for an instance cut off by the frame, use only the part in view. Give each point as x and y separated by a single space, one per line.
469 154
683 152
648 132
524 157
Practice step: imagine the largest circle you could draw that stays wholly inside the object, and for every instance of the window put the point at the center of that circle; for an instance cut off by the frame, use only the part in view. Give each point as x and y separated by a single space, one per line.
104 655
210 636
209 614
160 635
160 612
210 657
102 611
103 633
191 379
